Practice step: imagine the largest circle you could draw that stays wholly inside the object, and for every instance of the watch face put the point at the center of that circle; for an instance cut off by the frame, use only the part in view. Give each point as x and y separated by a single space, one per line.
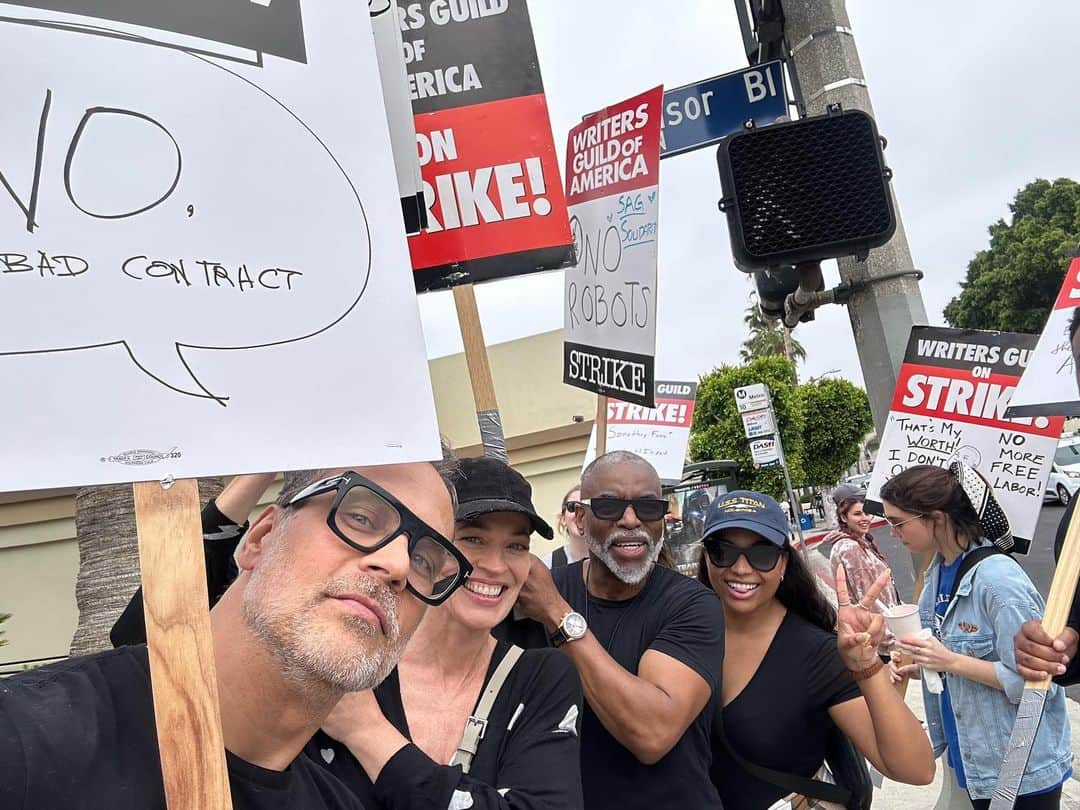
574 625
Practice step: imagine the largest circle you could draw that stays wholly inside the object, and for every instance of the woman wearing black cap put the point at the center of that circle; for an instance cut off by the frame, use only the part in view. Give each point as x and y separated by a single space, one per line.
789 680
394 746
975 601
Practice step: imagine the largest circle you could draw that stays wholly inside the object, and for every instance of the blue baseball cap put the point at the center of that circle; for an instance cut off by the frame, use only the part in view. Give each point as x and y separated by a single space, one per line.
743 509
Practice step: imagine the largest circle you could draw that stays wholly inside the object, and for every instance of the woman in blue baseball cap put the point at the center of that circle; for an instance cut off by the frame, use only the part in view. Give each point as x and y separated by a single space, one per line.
791 678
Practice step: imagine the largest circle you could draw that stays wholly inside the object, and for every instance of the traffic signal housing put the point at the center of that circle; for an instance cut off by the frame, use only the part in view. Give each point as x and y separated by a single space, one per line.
806 190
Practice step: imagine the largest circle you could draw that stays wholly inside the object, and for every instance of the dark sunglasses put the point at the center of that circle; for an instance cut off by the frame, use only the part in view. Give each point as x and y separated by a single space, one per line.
762 556
366 517
570 507
646 509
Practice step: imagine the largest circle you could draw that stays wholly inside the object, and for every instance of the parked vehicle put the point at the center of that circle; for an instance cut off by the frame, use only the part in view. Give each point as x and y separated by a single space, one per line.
861 480
1064 479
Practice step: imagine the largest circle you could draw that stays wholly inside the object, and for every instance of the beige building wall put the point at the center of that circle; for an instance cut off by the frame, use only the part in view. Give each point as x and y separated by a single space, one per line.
39 557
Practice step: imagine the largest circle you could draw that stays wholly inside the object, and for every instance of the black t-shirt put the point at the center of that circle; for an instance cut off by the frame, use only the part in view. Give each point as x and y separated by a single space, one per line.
780 720
675 615
80 735
221 536
529 756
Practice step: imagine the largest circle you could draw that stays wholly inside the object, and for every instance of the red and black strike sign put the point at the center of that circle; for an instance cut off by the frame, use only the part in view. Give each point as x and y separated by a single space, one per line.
492 188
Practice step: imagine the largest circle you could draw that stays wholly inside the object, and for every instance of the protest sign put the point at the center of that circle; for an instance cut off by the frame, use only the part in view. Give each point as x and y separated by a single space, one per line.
492 190
389 50
659 435
1051 383
951 398
612 177
201 257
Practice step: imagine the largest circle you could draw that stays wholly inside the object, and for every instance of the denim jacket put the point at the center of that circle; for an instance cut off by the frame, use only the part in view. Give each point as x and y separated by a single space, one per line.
990 604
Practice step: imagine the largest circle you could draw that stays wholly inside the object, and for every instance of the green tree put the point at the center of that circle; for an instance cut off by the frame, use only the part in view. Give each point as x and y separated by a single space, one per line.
767 338
3 618
837 417
1012 285
717 432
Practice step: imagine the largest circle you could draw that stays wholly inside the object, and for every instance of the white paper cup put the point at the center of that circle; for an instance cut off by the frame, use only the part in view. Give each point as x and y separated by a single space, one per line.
903 620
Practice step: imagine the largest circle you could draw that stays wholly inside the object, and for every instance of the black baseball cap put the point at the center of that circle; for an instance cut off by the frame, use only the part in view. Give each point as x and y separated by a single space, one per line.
755 511
489 485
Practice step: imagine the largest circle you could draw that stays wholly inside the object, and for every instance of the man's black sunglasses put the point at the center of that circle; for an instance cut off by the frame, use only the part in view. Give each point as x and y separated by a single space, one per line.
762 556
366 517
646 509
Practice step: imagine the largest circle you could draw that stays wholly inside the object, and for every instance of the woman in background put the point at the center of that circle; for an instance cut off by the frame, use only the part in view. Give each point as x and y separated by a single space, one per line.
853 549
574 548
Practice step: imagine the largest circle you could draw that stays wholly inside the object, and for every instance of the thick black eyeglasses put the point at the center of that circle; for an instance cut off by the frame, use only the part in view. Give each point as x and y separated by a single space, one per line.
570 507
762 556
646 509
366 517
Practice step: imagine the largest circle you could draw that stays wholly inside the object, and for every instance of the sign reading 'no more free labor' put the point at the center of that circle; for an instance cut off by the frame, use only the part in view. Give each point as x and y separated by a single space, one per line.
953 392
612 183
200 243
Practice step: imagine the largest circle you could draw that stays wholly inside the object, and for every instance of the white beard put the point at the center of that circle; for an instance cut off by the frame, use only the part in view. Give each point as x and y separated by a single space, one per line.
633 574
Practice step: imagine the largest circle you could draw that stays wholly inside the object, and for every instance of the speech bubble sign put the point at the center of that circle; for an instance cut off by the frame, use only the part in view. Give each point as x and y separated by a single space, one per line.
118 225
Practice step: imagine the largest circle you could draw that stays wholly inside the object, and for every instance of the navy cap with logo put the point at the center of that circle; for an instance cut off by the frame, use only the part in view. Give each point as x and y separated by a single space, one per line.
489 485
743 509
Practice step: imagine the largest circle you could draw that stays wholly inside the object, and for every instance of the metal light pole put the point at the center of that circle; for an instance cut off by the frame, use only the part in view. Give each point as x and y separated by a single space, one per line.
816 39
826 61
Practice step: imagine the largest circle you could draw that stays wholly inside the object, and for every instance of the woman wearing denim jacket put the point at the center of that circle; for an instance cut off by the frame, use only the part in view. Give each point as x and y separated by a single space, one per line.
973 621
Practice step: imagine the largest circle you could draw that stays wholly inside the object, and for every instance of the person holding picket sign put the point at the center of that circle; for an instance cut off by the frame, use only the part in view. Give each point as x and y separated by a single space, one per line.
975 601
464 720
797 683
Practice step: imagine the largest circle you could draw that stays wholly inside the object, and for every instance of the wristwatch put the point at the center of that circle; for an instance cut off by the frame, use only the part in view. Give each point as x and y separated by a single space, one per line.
571 628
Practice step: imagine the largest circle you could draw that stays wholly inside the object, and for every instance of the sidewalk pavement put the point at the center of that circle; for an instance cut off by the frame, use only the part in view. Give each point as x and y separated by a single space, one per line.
895 796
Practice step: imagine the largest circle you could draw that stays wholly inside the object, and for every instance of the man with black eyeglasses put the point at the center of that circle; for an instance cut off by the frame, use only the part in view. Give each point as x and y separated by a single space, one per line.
647 641
334 579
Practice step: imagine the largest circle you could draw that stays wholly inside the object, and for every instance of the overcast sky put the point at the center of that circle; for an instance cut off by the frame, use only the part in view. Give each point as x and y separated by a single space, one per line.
976 99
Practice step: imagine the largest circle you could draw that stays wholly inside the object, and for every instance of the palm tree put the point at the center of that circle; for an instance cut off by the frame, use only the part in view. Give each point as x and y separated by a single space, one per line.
109 559
768 337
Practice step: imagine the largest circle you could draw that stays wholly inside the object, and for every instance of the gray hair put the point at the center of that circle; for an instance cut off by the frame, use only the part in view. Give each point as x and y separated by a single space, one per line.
448 468
613 458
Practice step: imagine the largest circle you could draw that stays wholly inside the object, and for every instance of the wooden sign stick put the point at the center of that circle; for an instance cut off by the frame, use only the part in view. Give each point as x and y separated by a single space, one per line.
483 386
181 647
601 425
1028 715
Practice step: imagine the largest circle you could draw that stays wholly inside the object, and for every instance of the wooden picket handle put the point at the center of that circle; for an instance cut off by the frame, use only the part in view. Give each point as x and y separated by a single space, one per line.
182 670
1030 711
601 425
483 384
1062 589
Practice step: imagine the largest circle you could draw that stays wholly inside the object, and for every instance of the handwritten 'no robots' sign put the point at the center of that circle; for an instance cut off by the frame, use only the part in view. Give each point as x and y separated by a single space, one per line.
612 177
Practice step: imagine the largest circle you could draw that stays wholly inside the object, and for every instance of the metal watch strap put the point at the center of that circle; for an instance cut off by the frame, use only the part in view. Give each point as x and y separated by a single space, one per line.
476 725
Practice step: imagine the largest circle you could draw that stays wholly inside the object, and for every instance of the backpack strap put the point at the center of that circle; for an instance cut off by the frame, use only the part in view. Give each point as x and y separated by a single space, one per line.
476 725
971 559
788 782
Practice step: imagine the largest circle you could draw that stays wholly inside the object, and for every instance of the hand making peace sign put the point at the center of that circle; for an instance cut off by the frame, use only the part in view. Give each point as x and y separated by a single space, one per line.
859 631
